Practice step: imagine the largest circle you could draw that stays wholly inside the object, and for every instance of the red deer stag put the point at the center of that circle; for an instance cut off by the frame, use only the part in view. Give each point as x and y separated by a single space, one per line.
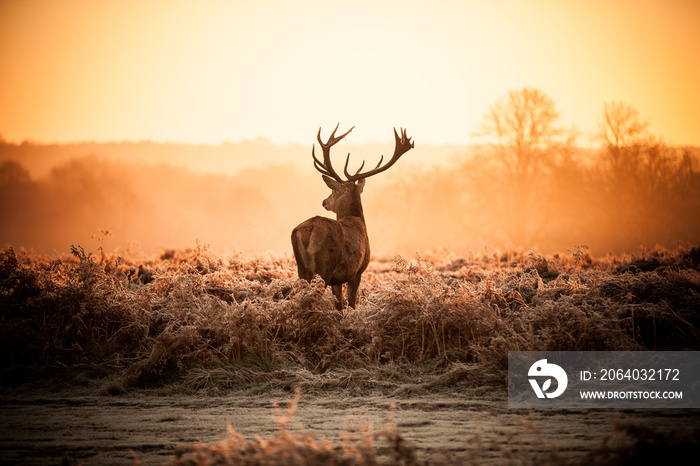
338 250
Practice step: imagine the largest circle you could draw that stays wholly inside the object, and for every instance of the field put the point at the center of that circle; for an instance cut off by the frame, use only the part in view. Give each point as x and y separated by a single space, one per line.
109 357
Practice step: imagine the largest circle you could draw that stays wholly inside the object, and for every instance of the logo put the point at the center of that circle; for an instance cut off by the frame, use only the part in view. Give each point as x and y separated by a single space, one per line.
543 369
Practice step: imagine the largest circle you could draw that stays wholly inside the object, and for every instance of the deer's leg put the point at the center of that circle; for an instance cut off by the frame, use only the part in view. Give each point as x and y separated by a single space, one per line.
301 254
338 292
353 286
304 273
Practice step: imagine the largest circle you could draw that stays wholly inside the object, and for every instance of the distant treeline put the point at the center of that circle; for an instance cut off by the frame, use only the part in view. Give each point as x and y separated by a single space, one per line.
465 207
226 158
94 202
651 200
528 186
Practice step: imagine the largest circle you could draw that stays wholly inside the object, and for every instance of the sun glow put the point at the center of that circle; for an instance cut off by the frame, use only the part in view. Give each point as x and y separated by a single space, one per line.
173 71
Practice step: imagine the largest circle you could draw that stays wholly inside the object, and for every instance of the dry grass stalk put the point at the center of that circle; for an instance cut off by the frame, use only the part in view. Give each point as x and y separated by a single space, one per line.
220 323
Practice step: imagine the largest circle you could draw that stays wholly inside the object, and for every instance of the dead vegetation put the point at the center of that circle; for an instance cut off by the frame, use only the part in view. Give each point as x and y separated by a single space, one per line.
629 441
217 324
385 446
190 322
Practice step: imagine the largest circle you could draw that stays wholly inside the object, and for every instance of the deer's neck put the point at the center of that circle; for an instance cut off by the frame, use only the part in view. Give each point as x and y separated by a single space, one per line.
354 209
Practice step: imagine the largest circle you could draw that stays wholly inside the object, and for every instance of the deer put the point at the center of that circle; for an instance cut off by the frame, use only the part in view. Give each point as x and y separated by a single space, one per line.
338 250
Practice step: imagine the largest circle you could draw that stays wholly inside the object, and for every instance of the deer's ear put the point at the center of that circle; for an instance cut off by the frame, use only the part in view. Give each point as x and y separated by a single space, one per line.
331 183
361 184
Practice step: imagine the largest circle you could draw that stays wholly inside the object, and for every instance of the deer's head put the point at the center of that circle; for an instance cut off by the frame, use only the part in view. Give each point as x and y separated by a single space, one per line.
343 193
345 196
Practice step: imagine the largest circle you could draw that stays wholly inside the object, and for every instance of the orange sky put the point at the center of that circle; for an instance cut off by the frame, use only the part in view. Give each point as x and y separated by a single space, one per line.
231 70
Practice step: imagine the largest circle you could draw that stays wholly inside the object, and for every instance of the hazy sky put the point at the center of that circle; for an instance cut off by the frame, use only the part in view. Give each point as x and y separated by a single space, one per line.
229 70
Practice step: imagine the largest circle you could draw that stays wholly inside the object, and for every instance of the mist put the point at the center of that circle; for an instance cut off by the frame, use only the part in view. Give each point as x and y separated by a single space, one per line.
467 204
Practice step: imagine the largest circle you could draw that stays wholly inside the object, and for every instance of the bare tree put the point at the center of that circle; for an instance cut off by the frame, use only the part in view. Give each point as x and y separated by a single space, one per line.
642 179
621 125
524 143
623 134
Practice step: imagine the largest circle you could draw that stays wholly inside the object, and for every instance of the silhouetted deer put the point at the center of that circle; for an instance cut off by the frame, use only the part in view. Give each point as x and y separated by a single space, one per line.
338 250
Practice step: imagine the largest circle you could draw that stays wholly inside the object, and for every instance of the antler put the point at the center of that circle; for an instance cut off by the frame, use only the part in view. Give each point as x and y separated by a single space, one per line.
403 145
326 168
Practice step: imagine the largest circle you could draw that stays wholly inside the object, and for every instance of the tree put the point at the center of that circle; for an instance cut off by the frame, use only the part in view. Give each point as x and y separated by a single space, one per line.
648 188
525 144
621 125
624 136
12 173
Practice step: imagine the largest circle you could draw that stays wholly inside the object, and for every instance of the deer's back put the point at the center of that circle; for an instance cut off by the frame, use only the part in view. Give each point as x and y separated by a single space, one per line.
337 249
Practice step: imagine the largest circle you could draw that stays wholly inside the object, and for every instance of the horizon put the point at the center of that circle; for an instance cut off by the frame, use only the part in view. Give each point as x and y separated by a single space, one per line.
171 72
258 139
584 141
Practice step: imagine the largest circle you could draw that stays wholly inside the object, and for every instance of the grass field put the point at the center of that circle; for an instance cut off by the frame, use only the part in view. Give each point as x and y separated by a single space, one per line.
189 323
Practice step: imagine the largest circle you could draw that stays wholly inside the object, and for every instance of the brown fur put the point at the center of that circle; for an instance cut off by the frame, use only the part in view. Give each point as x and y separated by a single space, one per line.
336 250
